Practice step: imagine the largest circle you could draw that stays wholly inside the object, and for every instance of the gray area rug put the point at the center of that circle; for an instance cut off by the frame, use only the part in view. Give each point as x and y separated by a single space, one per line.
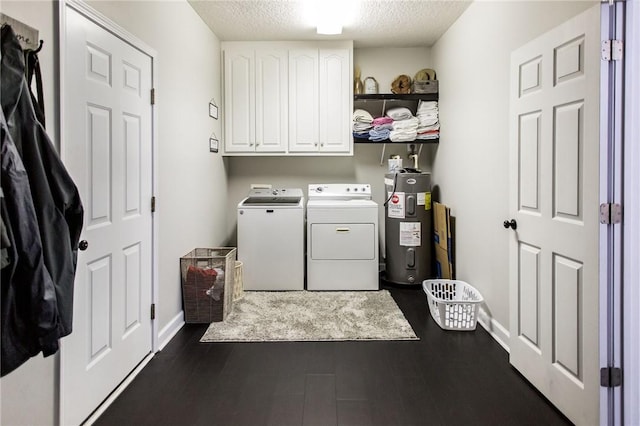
312 316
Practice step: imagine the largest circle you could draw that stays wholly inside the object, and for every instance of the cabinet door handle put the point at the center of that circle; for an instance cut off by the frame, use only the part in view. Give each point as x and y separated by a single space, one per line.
343 230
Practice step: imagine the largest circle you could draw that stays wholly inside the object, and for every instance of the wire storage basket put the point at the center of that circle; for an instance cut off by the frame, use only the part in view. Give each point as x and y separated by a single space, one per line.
208 276
453 304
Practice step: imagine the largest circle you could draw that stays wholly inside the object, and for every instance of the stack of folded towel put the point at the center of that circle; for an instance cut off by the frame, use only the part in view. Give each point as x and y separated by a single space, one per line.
362 123
381 128
429 126
405 125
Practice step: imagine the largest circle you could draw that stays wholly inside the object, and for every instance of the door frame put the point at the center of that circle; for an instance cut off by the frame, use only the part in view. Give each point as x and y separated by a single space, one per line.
611 191
99 19
631 225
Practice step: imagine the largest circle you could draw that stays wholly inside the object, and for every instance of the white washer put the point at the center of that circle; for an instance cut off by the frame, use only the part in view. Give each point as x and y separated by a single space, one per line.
271 239
342 238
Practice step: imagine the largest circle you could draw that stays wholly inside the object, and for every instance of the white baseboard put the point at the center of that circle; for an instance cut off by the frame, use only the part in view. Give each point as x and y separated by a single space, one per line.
170 330
116 393
494 328
164 337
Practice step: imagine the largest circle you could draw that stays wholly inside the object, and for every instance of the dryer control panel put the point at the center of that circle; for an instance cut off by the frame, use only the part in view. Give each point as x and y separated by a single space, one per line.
339 191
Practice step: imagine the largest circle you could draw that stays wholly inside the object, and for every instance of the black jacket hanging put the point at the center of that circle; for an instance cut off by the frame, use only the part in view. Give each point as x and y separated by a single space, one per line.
55 197
32 69
29 308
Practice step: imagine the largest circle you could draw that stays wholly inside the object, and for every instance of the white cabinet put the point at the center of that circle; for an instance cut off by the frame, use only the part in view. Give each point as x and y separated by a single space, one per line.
291 98
335 94
239 101
303 100
255 102
319 93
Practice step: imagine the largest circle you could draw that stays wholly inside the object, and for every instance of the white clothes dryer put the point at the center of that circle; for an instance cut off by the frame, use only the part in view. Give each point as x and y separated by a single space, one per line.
271 239
342 237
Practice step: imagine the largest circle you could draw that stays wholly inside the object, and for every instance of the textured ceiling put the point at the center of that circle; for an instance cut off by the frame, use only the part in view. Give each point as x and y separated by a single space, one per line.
390 23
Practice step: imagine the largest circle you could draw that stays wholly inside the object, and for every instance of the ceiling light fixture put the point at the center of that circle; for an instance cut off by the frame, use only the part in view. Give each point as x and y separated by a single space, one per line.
329 28
329 17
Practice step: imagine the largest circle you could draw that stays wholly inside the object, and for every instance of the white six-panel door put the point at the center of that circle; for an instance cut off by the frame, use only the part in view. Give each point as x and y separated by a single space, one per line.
554 137
108 151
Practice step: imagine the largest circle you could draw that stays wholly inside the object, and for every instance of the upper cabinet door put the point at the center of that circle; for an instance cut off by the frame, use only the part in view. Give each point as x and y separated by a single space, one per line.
239 100
335 95
271 101
303 100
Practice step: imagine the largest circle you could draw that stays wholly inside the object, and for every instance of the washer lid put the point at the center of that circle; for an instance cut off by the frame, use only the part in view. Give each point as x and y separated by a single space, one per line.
273 196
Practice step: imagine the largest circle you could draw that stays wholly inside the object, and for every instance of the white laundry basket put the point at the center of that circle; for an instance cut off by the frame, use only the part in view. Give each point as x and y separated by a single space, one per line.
453 304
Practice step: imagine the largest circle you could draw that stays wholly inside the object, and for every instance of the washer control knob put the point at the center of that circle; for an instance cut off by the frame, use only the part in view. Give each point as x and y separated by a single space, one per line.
319 189
348 189
355 189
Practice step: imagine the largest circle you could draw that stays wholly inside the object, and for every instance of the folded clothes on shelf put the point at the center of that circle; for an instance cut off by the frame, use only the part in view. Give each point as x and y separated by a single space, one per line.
399 113
362 116
379 121
379 135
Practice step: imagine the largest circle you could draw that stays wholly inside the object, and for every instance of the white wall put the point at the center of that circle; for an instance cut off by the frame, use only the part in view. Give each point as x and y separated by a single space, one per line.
192 181
386 64
28 394
471 163
631 222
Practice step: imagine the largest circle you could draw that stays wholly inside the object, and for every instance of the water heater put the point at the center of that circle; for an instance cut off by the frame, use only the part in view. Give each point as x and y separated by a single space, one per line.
408 228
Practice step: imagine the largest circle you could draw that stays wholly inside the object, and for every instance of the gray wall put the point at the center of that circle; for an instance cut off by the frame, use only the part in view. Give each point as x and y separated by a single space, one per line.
192 181
363 167
471 163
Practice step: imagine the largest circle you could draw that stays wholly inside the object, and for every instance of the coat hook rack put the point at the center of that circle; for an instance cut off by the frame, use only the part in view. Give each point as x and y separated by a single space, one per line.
39 47
26 35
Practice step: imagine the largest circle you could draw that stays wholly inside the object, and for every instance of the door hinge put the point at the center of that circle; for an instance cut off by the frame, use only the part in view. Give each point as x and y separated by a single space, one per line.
610 213
153 311
153 204
610 377
153 96
612 50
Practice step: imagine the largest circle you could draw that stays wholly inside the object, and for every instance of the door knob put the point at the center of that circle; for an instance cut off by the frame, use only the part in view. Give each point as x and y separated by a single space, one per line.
510 224
83 245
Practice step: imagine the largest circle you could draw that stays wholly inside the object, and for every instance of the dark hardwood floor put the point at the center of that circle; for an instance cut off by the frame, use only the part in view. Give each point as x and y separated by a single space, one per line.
445 378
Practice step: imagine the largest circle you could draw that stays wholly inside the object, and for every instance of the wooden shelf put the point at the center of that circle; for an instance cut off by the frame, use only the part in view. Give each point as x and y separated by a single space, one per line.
409 97
417 141
378 109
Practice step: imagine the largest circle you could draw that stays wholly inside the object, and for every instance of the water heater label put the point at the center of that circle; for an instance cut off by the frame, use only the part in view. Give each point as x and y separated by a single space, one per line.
424 199
395 207
410 234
